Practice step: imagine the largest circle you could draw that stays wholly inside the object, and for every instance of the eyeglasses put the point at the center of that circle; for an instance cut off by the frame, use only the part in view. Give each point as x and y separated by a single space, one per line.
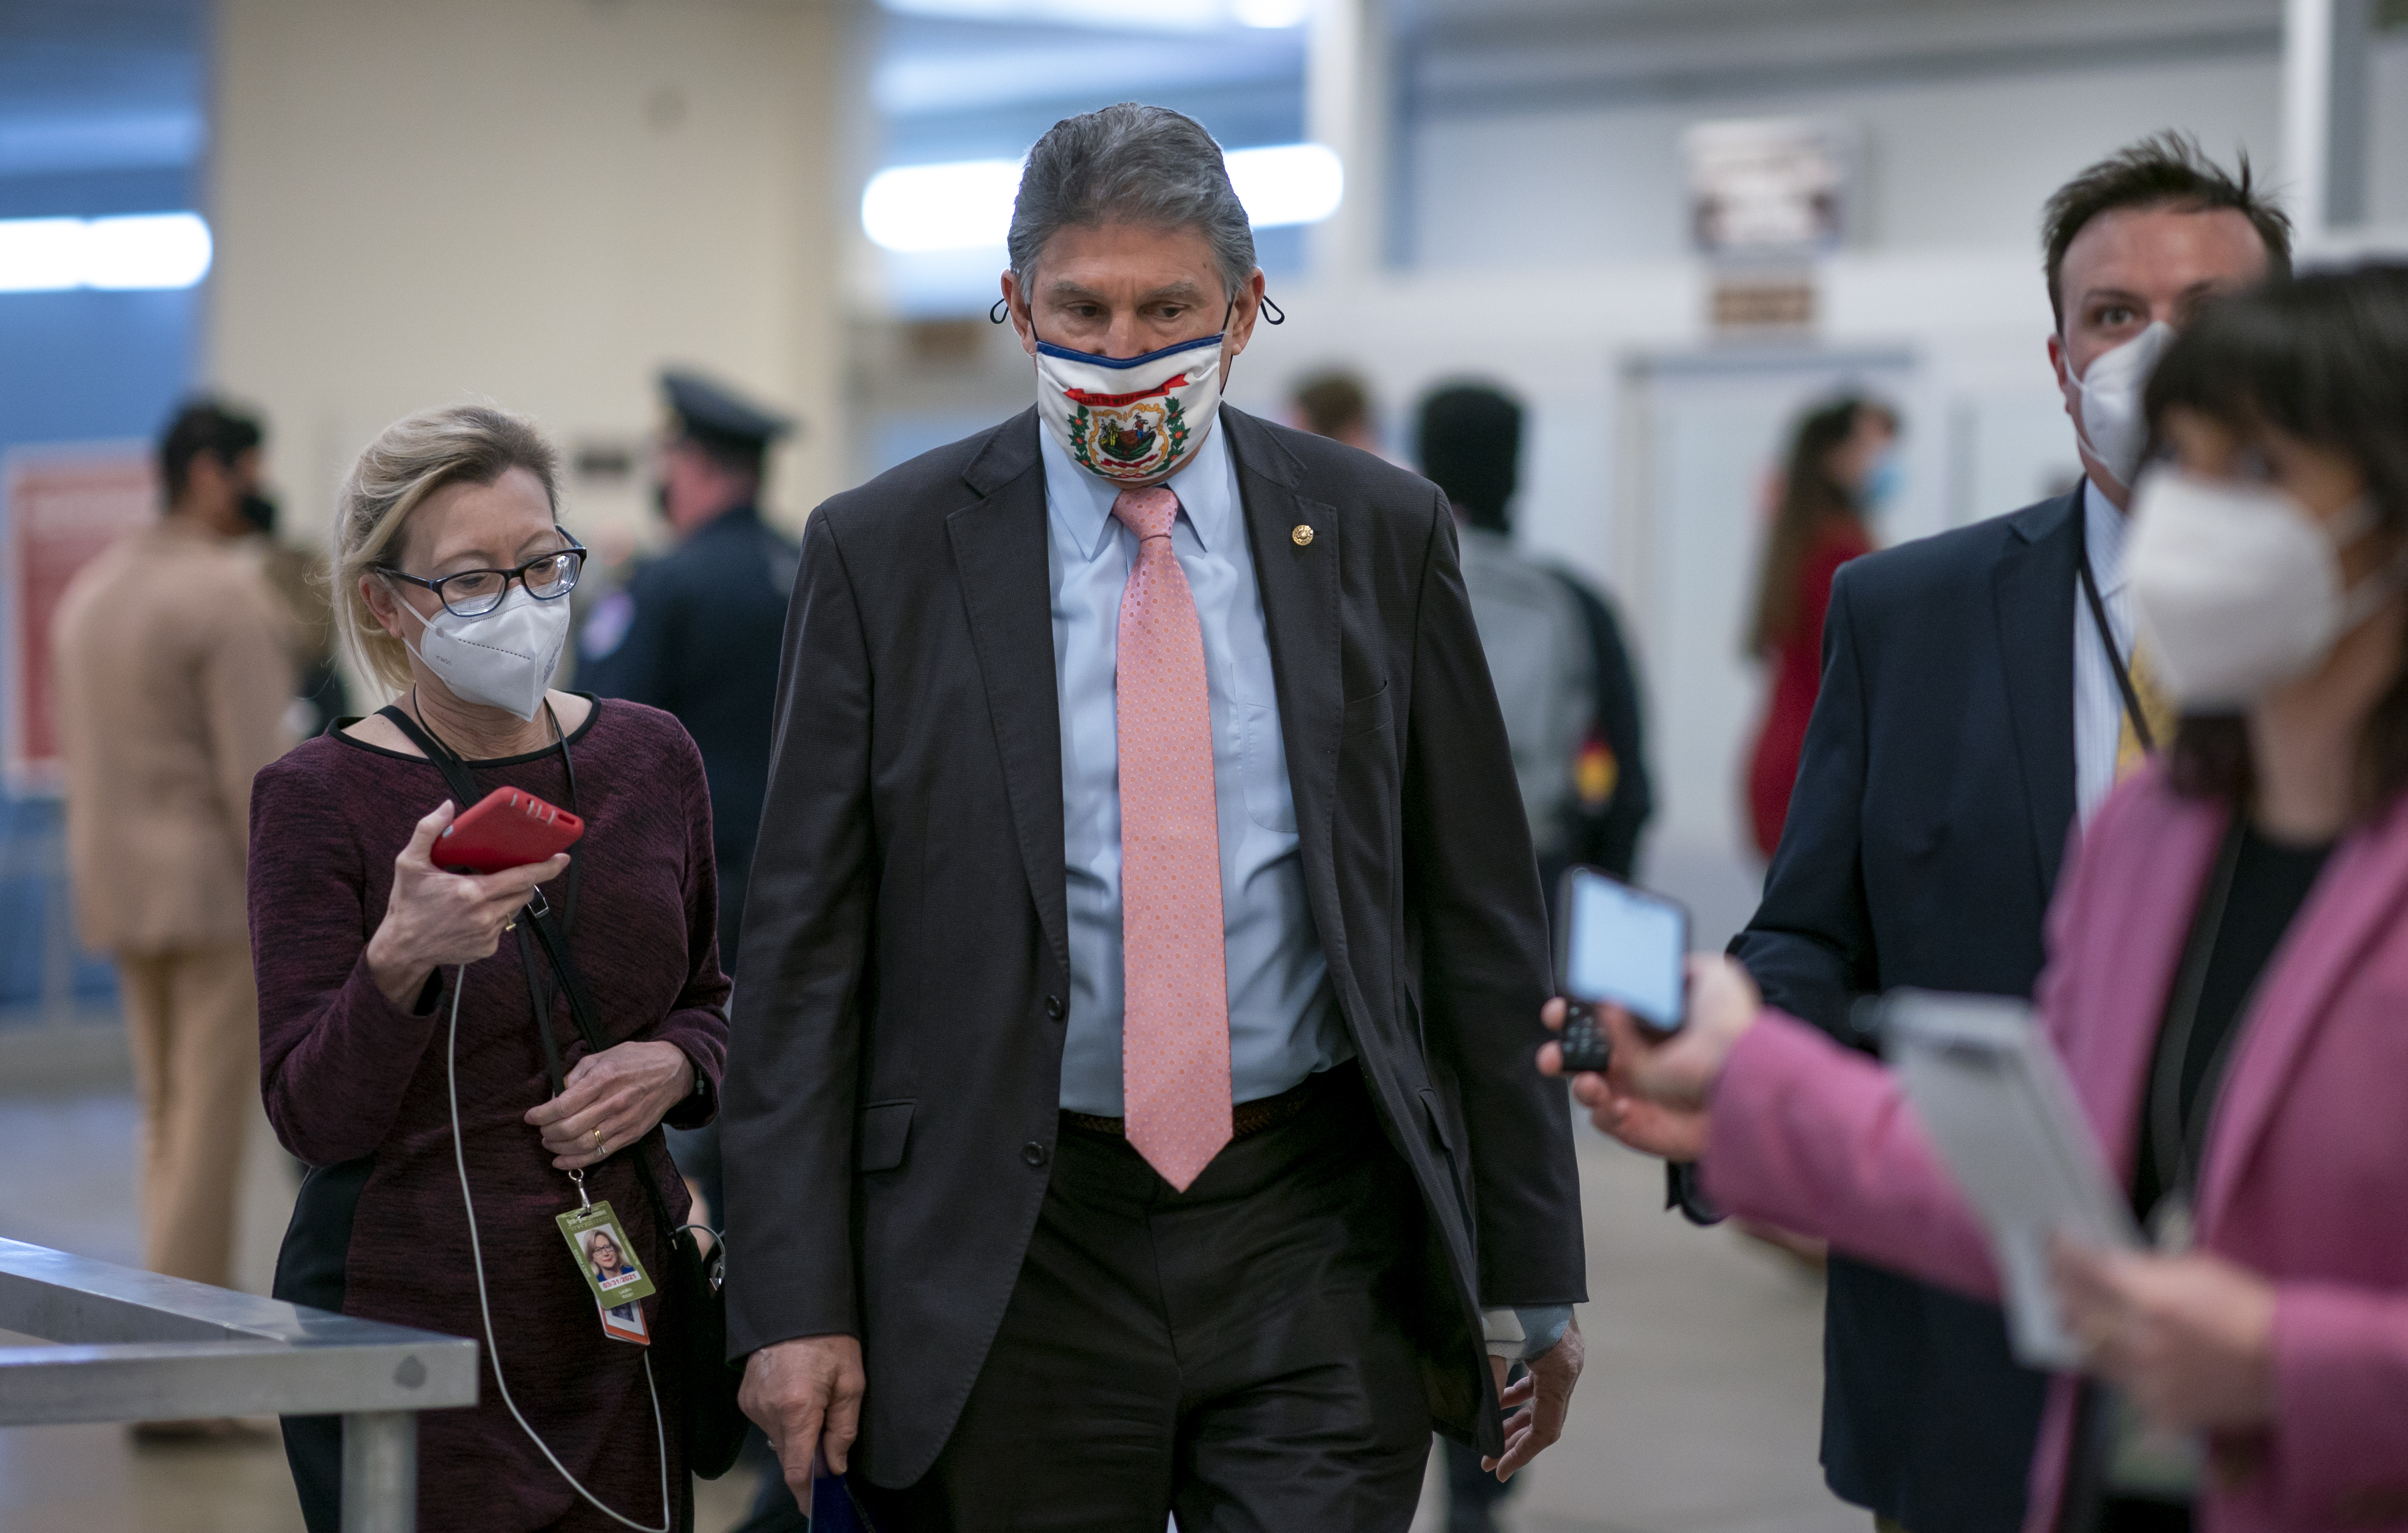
474 592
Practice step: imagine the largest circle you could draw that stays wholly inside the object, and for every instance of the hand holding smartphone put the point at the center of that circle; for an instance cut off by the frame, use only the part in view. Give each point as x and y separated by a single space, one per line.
508 828
1621 946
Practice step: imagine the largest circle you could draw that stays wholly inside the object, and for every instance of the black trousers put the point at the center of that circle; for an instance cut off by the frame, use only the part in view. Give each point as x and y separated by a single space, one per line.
1234 1353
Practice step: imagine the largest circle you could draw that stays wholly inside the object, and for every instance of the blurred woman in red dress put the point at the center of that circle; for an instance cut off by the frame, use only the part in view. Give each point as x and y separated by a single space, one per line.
1840 461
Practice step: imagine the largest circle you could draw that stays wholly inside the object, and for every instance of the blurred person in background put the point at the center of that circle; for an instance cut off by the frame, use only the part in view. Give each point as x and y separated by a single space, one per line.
174 676
1335 404
421 1074
1141 814
1974 709
1570 703
296 574
696 632
2226 963
1843 462
1553 643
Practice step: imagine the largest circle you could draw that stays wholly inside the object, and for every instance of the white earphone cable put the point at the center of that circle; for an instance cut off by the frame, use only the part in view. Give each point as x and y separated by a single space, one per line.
493 1354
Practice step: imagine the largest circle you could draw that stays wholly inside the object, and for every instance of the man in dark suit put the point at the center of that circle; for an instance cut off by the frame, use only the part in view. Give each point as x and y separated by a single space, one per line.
1969 714
695 632
1131 1084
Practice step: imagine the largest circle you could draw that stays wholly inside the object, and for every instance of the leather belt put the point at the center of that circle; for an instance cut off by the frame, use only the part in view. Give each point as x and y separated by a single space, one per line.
1245 1118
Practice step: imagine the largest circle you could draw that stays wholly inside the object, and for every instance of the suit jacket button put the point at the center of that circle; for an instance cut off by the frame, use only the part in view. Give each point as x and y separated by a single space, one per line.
1302 535
1034 1152
1053 1006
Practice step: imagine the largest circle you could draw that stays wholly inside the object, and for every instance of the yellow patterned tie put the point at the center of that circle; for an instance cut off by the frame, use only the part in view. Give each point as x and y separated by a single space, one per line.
2156 707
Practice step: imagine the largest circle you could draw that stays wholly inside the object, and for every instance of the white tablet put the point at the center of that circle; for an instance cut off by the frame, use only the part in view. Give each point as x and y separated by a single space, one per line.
1995 1099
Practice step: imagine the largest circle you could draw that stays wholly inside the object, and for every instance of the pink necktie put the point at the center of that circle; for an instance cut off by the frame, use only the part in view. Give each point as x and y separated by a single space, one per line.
1175 1019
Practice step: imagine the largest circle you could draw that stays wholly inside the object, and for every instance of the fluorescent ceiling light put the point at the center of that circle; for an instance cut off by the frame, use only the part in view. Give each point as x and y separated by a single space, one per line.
140 251
967 204
40 255
1115 15
1288 184
1271 13
959 206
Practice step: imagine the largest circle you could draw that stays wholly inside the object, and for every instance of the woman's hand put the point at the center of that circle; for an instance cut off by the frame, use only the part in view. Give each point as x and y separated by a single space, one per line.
436 919
1653 1094
2189 1340
612 1100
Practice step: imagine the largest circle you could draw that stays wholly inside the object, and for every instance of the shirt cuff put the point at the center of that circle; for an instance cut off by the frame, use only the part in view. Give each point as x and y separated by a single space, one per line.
1521 1335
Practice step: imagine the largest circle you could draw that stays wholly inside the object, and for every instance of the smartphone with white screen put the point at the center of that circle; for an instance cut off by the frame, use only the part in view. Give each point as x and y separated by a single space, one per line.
1620 946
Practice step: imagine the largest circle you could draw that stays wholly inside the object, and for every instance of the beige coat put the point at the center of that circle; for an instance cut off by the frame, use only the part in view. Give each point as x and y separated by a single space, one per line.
174 670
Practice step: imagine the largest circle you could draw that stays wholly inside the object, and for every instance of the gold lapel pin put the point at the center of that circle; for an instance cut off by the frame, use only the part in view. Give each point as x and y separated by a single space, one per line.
1303 534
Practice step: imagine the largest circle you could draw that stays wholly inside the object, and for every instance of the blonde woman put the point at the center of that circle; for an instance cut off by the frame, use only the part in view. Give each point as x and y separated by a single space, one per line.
395 1001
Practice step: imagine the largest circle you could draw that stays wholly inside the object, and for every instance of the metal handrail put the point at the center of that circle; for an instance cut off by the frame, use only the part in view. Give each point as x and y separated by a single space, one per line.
136 1346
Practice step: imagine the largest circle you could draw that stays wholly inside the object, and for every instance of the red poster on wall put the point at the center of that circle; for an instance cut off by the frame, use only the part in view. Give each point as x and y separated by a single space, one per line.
61 506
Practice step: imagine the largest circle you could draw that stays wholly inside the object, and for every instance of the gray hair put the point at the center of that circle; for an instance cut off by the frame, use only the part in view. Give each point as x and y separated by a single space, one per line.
1130 165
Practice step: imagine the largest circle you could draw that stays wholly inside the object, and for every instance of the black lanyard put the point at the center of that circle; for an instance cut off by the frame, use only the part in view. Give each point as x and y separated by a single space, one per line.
462 781
2115 661
2178 1138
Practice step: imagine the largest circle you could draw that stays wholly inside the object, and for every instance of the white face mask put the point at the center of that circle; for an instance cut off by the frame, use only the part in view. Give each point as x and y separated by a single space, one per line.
2239 586
503 659
1134 421
2112 425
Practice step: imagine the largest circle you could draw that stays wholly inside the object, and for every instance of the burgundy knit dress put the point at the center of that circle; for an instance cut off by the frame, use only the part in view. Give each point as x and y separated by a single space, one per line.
354 1085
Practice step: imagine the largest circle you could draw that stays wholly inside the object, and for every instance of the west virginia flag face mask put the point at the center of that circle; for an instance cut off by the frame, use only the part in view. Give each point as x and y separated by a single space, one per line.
1135 419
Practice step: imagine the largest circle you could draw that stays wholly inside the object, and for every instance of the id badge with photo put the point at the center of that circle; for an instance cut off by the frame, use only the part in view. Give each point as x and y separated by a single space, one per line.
605 1255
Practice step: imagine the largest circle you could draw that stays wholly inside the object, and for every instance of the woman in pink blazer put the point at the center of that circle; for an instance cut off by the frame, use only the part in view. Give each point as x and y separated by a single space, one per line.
2227 983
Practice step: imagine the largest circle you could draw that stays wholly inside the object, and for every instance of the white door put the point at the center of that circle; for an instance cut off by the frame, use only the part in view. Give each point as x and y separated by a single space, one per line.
1705 434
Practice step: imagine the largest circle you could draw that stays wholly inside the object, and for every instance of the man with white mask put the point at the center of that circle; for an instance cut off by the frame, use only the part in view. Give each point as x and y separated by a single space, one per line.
1980 697
1127 1093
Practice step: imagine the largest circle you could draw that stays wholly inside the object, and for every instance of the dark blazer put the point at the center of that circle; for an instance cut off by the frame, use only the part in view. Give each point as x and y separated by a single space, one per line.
702 643
1933 807
898 1047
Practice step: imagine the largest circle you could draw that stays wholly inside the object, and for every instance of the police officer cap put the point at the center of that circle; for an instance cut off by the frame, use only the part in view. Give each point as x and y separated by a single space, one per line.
718 418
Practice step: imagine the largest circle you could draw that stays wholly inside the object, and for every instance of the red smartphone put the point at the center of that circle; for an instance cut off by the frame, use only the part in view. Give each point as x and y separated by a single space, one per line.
509 829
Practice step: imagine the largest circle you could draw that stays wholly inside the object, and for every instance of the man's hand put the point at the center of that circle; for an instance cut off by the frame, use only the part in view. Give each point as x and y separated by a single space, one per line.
805 1395
1544 1395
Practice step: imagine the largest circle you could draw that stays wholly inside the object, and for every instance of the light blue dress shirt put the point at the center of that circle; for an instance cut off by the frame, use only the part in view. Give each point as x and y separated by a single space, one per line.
1283 1022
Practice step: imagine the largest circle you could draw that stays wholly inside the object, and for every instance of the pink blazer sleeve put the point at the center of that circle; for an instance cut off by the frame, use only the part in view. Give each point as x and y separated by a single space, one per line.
1817 1139
1820 1139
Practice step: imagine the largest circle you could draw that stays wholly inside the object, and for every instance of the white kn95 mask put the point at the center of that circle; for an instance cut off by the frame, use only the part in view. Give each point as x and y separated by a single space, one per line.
2112 424
503 659
2239 586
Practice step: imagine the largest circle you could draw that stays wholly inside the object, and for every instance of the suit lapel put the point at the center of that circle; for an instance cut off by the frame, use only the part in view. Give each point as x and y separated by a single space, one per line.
2034 591
998 543
1299 588
2352 905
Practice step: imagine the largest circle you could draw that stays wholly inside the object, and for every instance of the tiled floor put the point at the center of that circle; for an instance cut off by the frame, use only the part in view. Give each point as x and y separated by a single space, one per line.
1696 1414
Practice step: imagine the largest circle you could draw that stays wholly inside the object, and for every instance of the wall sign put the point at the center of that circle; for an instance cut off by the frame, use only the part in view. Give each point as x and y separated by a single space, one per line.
1770 187
61 506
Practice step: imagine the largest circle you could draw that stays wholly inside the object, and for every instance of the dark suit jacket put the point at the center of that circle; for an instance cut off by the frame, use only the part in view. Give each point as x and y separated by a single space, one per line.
1932 812
703 644
898 1038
